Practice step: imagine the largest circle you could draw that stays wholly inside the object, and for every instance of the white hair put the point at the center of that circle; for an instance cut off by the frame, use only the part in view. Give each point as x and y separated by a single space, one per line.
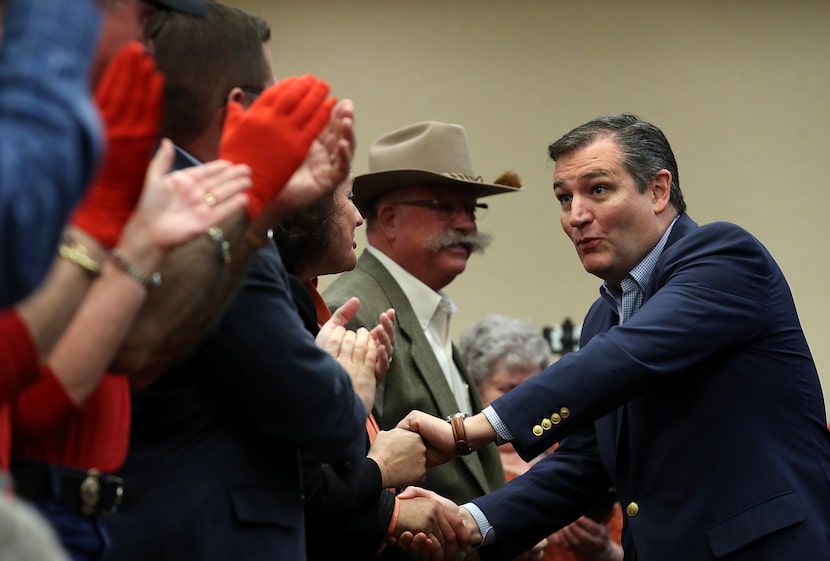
500 338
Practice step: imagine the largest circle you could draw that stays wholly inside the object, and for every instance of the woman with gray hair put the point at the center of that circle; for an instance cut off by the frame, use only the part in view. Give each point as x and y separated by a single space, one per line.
501 352
502 341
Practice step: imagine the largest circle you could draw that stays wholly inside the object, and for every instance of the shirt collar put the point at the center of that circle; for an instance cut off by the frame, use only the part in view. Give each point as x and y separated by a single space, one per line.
423 299
639 277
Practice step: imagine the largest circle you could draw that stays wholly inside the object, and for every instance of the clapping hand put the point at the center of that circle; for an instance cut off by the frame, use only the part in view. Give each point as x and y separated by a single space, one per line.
384 335
356 351
176 206
326 165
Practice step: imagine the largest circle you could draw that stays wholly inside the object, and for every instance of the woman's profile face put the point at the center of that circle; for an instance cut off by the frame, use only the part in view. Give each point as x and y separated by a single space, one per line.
340 255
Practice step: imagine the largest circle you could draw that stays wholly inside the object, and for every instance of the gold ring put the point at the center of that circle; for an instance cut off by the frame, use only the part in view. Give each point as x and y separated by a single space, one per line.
332 158
209 199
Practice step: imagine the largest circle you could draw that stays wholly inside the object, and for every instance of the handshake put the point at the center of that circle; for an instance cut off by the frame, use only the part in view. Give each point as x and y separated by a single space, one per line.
428 525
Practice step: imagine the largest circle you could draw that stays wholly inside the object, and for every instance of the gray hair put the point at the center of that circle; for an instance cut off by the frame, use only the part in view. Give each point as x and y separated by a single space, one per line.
500 338
645 149
25 534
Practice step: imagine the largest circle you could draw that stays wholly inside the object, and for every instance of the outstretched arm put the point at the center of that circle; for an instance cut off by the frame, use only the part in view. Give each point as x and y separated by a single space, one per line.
438 434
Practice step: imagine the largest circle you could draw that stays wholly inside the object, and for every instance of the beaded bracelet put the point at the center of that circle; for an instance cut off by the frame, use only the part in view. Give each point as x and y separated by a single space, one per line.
135 272
217 236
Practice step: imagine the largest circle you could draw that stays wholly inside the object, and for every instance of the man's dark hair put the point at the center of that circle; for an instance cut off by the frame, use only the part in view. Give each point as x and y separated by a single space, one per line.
645 149
203 59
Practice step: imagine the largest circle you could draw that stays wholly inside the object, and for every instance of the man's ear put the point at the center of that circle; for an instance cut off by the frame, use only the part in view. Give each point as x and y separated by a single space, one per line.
386 220
661 190
238 95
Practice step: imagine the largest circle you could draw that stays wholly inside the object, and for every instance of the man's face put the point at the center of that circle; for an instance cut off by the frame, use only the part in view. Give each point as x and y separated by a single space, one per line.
612 225
427 238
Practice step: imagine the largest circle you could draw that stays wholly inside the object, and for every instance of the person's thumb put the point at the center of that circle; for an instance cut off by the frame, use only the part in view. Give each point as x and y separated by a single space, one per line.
162 161
346 312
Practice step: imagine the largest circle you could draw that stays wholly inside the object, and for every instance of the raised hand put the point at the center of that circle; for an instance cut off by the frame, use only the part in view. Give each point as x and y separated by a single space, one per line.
274 135
129 97
326 166
384 335
356 351
400 456
175 207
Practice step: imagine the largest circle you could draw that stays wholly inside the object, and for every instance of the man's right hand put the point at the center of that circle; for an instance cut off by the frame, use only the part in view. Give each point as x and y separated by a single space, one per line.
430 525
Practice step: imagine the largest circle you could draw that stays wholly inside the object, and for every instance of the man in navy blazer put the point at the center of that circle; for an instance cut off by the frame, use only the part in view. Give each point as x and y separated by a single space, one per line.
213 468
694 392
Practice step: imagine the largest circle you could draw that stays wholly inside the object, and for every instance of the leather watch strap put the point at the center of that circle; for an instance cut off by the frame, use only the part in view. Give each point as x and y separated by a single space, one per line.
462 448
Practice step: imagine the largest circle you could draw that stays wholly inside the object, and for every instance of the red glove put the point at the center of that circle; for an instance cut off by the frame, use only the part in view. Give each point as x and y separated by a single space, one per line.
130 98
273 136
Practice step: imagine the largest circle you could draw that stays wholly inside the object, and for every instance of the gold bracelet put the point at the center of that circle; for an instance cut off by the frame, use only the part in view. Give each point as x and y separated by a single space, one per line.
76 252
135 272
217 236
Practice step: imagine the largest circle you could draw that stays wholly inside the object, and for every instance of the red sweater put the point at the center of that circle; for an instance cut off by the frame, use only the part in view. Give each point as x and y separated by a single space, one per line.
20 367
39 422
47 426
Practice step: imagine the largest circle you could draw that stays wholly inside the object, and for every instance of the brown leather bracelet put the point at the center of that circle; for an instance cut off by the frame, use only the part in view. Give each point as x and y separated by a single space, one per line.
462 448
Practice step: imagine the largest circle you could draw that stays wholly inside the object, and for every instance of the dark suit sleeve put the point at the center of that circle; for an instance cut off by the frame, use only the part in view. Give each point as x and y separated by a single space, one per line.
551 494
712 290
266 366
338 512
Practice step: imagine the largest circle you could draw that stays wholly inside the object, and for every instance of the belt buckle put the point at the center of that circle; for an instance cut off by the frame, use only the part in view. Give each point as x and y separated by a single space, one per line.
90 491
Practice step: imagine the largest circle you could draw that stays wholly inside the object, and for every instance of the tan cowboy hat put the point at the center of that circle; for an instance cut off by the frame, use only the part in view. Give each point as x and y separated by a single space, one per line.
426 153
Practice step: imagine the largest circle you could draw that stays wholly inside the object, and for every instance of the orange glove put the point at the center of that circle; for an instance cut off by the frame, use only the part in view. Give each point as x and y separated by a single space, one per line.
130 98
273 136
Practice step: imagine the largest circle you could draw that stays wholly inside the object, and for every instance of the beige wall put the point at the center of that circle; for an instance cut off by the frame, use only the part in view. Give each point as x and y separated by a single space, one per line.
740 88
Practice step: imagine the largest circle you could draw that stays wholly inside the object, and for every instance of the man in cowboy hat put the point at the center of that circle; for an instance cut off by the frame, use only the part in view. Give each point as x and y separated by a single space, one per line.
420 200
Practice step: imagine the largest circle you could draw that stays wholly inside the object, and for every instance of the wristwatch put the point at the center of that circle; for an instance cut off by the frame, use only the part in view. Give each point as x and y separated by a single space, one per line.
462 448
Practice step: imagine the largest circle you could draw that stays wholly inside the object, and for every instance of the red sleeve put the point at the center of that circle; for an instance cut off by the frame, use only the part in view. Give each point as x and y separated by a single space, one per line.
20 365
41 407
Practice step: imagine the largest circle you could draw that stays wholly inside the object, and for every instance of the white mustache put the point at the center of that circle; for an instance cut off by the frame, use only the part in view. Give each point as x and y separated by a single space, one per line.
476 241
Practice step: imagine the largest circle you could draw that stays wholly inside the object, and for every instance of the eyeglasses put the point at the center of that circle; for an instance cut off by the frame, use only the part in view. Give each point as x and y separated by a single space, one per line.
253 91
448 210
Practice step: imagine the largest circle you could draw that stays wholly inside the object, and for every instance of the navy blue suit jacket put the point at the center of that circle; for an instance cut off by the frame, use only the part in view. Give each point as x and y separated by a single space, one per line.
213 471
704 410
